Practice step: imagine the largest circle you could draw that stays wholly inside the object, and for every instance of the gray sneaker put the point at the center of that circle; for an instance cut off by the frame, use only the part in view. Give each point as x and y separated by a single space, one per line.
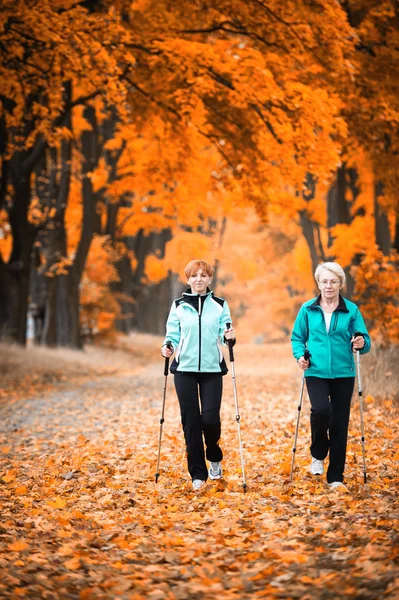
198 484
215 470
317 466
334 485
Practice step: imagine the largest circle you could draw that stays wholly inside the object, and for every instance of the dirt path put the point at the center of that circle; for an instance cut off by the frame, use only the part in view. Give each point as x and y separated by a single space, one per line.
81 516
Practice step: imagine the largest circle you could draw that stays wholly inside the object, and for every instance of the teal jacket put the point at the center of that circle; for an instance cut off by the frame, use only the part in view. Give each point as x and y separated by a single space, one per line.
331 352
195 327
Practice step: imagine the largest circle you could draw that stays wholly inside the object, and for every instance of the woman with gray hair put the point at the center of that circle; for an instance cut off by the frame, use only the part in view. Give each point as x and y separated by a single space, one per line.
326 326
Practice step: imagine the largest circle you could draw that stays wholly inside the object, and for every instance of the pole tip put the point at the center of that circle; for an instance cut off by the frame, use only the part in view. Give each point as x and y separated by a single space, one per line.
244 487
156 477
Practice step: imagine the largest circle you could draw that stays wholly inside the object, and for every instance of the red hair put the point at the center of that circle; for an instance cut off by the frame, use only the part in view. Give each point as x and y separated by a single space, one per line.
193 266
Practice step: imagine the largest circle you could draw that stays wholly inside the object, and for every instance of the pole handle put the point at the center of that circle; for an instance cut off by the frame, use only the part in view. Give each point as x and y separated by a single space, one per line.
166 369
355 334
229 343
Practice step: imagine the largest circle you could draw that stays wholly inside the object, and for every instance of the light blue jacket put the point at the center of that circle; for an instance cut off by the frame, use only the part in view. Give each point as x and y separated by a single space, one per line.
195 327
331 352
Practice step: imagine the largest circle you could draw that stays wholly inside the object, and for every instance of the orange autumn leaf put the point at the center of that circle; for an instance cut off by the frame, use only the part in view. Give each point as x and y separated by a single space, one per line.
57 503
73 564
18 546
9 476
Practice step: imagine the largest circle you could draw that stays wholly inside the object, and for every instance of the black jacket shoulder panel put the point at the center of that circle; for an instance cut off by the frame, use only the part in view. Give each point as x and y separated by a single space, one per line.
220 301
178 301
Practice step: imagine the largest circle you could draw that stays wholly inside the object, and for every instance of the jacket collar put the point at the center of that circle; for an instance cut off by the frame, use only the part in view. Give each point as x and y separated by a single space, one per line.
194 299
341 305
189 294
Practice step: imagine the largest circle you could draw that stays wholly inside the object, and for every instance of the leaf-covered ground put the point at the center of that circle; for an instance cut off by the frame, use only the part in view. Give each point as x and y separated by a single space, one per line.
82 517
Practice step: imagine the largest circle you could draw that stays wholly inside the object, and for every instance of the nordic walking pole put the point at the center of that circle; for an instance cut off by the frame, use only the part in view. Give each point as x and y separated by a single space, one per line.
359 386
306 356
162 419
233 375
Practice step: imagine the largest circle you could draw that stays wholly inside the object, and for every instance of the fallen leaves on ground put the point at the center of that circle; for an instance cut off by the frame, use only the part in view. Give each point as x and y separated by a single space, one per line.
82 516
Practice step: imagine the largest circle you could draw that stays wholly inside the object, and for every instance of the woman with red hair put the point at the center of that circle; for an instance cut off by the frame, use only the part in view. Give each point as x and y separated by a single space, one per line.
195 326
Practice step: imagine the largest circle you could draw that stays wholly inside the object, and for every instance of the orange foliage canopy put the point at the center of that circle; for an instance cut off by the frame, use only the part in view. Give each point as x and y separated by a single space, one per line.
378 289
209 114
257 87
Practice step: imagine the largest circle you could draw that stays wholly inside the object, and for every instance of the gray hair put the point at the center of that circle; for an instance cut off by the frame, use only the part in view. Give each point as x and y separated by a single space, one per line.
334 268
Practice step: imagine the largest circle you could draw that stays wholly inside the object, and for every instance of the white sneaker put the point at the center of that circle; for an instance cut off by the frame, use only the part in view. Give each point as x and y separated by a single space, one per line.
317 466
215 470
337 484
198 484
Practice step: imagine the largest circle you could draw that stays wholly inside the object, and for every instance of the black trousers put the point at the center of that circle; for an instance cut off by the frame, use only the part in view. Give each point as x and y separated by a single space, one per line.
330 401
198 422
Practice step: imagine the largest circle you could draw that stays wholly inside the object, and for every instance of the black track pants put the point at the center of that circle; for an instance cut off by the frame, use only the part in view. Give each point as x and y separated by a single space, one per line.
330 401
196 421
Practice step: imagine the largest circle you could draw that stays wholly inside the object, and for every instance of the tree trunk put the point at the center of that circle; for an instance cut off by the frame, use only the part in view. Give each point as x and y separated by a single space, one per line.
352 182
396 239
337 205
342 208
17 171
382 233
4 299
52 187
4 161
72 336
62 326
308 226
338 211
49 337
70 332
38 296
123 290
215 278
148 315
331 211
308 232
18 297
19 265
38 284
151 316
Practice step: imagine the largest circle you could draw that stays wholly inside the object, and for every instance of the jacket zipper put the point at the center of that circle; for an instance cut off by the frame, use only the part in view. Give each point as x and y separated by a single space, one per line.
335 321
199 332
328 341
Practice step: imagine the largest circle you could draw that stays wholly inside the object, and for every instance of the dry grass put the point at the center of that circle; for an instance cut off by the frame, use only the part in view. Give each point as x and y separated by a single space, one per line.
379 368
24 370
380 373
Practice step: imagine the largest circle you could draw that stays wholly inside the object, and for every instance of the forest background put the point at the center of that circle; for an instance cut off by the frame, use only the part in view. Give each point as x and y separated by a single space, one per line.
261 136
134 136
